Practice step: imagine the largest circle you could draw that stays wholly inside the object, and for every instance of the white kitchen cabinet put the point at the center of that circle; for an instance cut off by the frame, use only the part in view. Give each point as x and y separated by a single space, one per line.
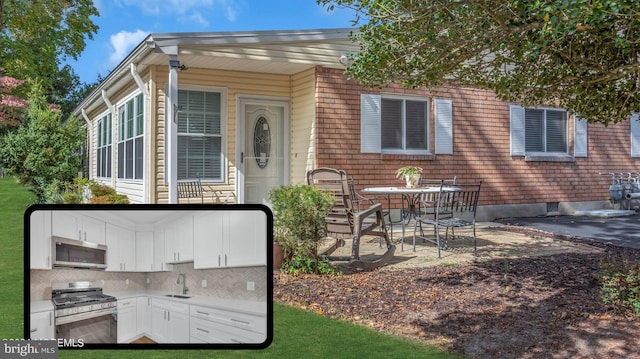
230 239
41 325
178 239
208 238
121 249
73 225
127 320
212 325
169 321
144 251
40 240
159 263
143 311
247 238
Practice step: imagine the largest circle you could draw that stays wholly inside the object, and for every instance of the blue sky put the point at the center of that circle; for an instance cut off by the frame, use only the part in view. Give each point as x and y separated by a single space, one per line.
125 23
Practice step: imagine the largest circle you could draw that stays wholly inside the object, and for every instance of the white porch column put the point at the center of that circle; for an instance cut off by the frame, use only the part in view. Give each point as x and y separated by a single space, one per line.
171 131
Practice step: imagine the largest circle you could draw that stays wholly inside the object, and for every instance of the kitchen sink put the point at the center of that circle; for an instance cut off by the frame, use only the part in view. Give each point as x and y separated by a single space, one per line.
177 296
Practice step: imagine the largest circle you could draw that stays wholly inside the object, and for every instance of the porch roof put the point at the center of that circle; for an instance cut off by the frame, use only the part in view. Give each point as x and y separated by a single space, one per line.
277 52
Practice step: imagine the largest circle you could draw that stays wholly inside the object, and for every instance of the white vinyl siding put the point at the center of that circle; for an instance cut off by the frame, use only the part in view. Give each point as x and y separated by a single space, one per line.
200 152
394 124
103 150
538 131
131 139
635 135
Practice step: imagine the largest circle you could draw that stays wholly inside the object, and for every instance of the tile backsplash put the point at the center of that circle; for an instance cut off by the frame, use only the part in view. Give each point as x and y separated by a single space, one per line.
222 282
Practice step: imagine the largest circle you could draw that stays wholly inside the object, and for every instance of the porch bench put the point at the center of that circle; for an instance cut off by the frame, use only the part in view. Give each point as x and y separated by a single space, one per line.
194 189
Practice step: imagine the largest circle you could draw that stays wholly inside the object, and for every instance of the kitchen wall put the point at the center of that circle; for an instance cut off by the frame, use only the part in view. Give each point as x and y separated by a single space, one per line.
222 283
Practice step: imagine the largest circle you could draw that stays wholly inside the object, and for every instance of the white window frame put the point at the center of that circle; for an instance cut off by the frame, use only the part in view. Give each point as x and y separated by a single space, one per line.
122 108
222 135
371 125
635 134
518 134
104 143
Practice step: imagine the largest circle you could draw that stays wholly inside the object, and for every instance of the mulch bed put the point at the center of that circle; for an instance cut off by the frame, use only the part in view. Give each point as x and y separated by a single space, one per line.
528 307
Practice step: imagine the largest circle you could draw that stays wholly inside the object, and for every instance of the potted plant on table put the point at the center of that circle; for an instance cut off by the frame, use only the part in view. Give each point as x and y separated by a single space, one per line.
411 175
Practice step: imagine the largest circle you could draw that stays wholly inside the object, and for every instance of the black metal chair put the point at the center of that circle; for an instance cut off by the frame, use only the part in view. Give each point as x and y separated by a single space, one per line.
453 208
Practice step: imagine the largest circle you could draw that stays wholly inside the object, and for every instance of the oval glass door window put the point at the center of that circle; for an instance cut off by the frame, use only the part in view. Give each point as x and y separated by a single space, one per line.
262 142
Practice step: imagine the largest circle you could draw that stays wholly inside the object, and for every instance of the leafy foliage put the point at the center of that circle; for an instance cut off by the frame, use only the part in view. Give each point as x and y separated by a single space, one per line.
11 105
43 151
301 264
581 55
621 284
36 35
299 213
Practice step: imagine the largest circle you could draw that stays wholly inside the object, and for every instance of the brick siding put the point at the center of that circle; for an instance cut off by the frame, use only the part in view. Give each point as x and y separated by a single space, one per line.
480 147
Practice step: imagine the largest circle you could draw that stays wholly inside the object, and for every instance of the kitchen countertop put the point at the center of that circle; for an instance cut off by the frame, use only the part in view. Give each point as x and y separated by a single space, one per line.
234 305
40 306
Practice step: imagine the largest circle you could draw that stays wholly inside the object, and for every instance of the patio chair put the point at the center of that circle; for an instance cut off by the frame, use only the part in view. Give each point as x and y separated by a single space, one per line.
347 220
453 209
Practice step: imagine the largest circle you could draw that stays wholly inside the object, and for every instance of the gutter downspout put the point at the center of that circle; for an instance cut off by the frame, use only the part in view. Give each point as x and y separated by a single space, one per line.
171 132
89 143
146 111
114 127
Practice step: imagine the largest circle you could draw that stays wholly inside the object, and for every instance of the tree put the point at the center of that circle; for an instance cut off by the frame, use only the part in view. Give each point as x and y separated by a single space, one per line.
36 35
44 150
581 55
11 105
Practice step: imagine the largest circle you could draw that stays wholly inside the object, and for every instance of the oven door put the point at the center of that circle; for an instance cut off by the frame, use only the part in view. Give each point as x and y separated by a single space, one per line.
98 326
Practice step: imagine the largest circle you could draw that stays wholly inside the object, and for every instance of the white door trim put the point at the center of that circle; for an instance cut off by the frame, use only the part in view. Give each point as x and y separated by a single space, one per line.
241 102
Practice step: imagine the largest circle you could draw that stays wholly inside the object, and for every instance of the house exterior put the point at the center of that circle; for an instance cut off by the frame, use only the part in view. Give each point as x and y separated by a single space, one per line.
249 111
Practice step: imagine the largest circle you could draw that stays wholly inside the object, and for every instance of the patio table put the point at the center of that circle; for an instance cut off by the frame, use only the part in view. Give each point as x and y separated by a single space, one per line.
410 199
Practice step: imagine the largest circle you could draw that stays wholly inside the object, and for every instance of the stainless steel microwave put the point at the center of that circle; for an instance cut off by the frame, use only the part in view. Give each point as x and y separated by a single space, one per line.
72 253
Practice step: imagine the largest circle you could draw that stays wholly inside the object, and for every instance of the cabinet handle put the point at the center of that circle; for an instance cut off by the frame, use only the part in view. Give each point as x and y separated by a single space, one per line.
225 260
174 256
85 235
79 234
34 330
165 315
240 321
50 318
218 260
126 303
203 330
204 313
169 316
178 255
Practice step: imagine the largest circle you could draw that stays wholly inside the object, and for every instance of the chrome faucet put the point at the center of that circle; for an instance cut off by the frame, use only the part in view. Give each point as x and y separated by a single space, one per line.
184 282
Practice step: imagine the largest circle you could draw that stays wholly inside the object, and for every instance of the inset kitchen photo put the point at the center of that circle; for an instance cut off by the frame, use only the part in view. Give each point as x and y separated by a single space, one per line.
147 276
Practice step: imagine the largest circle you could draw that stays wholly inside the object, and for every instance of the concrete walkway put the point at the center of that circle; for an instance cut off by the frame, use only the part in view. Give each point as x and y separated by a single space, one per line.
621 231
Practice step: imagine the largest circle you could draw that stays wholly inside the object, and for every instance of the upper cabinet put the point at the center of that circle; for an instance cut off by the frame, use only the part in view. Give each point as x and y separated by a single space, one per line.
178 239
76 226
144 251
121 249
40 240
230 239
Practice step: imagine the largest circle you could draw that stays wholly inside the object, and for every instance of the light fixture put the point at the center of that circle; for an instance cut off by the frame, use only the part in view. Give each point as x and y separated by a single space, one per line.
175 64
344 59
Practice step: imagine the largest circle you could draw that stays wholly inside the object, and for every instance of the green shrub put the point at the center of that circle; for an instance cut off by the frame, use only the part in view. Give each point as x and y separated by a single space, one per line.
300 264
299 213
621 284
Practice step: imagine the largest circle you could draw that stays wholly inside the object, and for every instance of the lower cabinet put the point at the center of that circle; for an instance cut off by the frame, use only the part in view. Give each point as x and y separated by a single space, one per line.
144 315
216 326
41 325
169 321
127 320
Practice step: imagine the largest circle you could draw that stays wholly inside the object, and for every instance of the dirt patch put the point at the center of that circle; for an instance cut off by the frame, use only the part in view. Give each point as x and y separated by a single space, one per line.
524 296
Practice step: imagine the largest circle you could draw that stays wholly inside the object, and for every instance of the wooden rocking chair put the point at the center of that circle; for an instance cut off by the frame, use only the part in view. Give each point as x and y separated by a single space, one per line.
345 219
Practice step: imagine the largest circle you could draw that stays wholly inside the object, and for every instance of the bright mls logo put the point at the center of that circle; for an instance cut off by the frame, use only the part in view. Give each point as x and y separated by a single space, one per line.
46 349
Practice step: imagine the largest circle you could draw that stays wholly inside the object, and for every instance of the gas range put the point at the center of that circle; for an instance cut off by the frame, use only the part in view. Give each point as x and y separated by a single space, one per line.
79 297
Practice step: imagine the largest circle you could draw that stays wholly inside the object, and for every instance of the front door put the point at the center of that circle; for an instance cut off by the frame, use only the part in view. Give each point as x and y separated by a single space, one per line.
263 161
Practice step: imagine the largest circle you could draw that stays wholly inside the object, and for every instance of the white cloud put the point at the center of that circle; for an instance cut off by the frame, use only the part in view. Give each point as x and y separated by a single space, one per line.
198 18
123 42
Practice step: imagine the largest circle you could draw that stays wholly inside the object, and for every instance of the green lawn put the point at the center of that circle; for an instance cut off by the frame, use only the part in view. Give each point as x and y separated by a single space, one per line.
296 333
